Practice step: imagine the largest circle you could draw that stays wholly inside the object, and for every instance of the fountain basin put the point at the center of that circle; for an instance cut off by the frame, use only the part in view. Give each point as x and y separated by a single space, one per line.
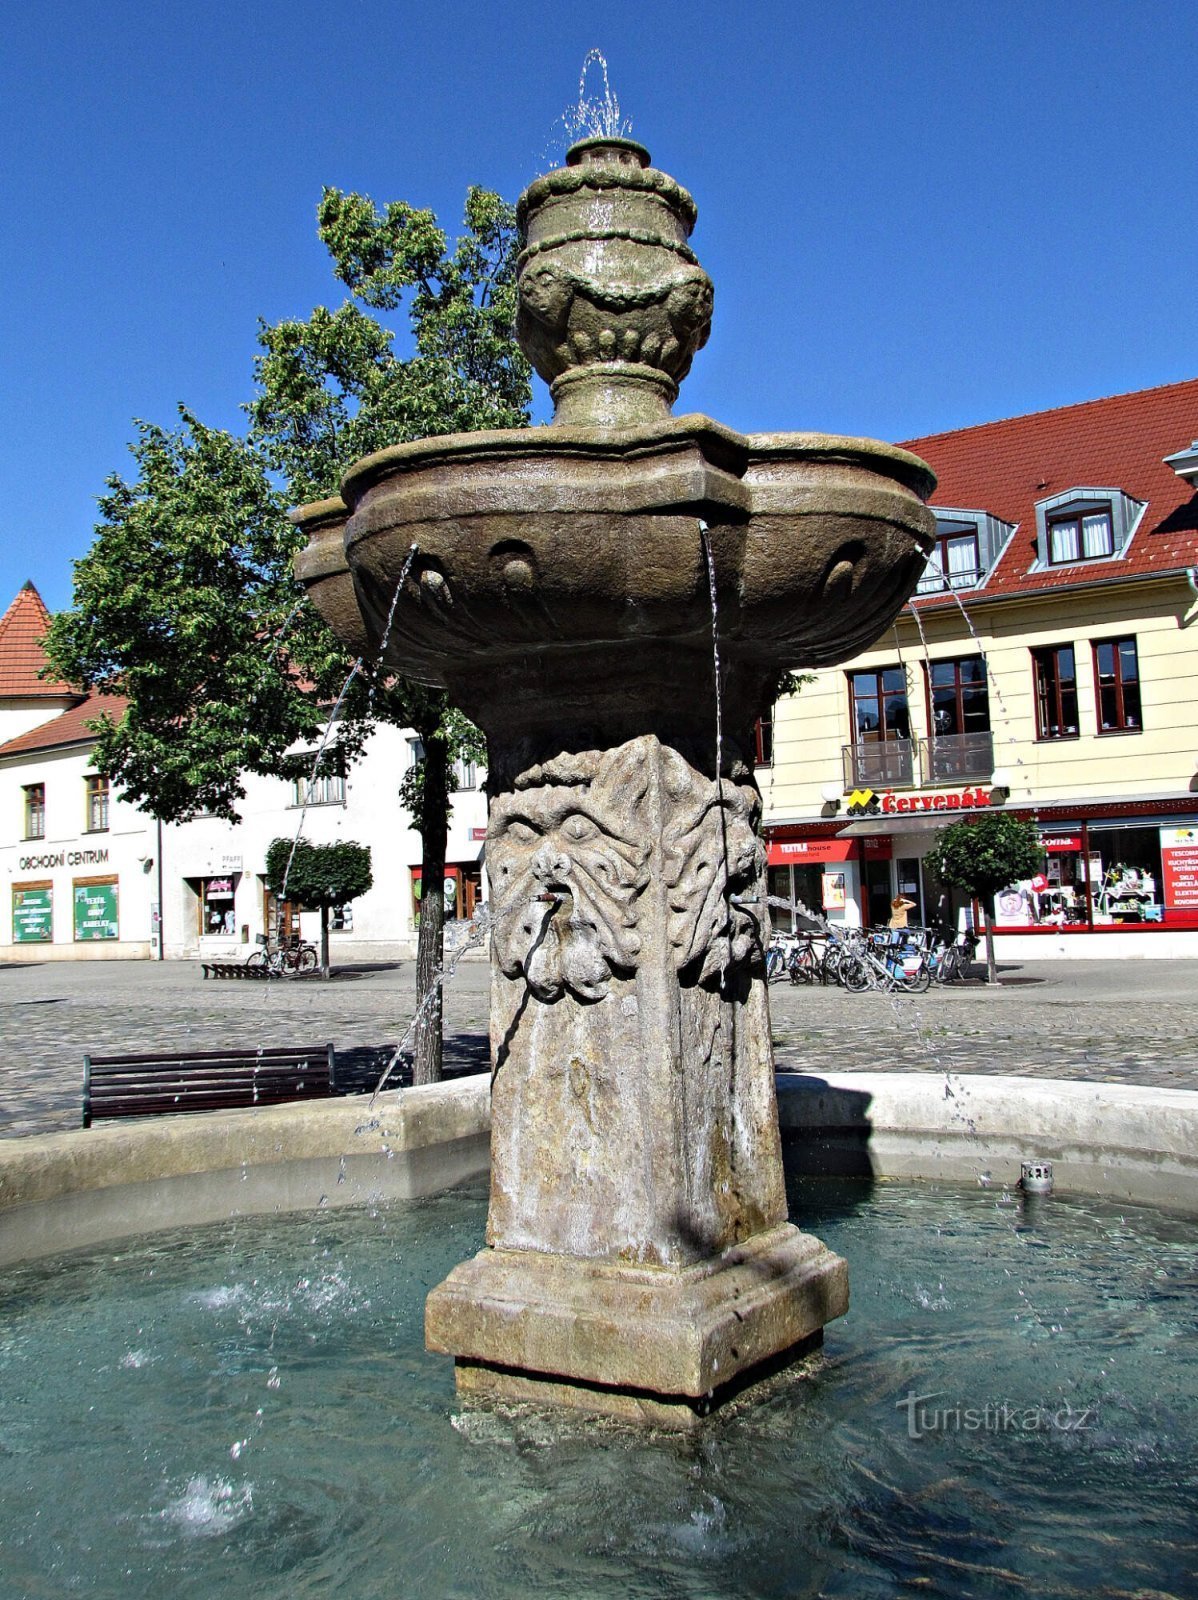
248 1405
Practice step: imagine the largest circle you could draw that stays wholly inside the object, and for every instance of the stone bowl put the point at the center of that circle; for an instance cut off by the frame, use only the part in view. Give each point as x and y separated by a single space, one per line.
580 546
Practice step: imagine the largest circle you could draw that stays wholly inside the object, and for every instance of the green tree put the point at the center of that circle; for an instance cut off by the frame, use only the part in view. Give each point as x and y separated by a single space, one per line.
983 854
187 602
318 877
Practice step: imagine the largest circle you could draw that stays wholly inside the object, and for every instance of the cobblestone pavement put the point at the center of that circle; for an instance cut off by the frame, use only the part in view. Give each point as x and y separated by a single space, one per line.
1105 1021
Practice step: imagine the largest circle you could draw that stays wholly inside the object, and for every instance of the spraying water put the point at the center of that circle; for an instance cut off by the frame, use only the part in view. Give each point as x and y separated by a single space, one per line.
598 117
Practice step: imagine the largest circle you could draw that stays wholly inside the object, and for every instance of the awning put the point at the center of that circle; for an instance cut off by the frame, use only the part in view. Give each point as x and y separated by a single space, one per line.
909 822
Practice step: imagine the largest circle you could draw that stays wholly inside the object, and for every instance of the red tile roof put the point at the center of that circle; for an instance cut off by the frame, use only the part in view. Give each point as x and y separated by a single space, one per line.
1117 443
69 728
21 654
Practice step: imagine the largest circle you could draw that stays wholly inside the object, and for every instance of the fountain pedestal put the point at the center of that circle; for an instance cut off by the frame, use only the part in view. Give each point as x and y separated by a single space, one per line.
558 582
637 1236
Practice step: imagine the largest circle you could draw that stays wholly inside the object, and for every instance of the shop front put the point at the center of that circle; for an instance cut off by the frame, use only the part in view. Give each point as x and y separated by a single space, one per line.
1107 869
77 902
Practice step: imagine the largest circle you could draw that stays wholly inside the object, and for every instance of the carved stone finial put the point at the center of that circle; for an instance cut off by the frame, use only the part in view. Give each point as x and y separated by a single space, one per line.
613 303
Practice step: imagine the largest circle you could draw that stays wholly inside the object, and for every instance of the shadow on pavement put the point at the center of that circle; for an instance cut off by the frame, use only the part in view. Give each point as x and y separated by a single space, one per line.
358 1070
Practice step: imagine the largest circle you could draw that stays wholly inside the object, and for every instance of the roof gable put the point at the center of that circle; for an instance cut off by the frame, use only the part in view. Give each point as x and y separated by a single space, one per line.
22 658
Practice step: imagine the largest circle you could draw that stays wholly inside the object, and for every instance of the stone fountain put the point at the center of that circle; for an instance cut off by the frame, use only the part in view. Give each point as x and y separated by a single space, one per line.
638 1256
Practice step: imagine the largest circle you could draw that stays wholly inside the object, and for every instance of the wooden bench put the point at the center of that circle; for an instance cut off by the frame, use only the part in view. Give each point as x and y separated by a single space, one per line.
214 1080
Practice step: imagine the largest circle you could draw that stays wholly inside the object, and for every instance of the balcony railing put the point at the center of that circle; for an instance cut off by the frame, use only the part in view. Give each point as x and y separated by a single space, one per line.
957 757
891 763
884 764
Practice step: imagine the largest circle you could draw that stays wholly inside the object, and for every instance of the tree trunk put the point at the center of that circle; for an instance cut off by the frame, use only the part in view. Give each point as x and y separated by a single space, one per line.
991 960
324 942
430 949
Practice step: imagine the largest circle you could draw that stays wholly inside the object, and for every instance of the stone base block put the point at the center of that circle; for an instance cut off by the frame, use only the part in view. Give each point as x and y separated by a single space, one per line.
528 1325
476 1381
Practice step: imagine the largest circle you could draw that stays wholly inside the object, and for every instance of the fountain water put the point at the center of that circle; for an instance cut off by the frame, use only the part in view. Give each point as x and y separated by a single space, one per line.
569 587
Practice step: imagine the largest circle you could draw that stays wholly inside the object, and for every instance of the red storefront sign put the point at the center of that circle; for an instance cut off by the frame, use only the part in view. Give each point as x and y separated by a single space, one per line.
1060 844
800 852
1179 867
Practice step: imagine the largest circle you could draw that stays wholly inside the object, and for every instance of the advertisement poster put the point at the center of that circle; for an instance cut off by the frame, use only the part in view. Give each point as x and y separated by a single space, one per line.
1179 866
95 911
33 916
833 891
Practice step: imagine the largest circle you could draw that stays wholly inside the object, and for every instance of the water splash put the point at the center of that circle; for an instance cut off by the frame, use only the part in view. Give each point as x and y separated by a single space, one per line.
595 118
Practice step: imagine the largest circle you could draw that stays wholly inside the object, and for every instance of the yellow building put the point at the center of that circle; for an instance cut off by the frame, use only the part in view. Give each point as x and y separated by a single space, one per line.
1047 663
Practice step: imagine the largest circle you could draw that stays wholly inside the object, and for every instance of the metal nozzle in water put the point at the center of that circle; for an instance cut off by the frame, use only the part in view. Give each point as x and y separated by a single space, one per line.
1035 1177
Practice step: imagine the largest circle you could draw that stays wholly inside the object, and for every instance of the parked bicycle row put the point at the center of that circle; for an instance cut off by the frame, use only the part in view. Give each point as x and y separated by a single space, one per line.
907 960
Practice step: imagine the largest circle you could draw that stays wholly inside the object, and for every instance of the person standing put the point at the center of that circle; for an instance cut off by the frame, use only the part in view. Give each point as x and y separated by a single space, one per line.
899 908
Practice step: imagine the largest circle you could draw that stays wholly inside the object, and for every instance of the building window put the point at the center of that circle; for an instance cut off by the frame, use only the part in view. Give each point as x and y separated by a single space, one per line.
763 740
1117 682
960 697
341 919
1081 536
879 699
328 790
1056 692
97 804
35 810
955 560
467 773
881 750
960 746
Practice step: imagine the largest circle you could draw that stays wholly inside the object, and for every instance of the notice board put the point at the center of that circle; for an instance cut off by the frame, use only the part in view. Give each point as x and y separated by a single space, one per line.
96 911
33 915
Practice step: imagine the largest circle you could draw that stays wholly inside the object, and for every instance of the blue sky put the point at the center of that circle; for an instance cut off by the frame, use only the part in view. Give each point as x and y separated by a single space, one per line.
917 216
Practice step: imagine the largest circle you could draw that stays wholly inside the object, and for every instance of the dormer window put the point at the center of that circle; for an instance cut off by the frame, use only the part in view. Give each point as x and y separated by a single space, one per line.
968 543
1085 524
1080 536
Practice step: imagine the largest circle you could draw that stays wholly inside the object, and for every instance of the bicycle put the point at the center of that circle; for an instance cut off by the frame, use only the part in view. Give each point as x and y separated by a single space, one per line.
284 961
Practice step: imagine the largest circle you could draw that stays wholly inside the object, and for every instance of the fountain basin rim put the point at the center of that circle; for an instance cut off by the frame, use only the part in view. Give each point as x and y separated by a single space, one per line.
723 446
62 1190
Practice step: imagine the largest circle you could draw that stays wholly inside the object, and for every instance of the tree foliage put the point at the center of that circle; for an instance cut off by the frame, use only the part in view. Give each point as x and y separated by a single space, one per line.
316 875
187 603
981 855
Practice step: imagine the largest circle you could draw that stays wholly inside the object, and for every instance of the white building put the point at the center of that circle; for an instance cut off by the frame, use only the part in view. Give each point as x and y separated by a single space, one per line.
87 875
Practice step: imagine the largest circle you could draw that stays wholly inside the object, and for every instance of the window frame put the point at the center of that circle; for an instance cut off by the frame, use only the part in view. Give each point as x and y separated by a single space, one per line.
763 739
1077 518
956 662
97 797
1040 655
1123 725
882 734
326 789
33 797
939 579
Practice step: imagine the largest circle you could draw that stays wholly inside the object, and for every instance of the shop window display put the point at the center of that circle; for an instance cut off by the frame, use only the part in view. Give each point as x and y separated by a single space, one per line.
1097 876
